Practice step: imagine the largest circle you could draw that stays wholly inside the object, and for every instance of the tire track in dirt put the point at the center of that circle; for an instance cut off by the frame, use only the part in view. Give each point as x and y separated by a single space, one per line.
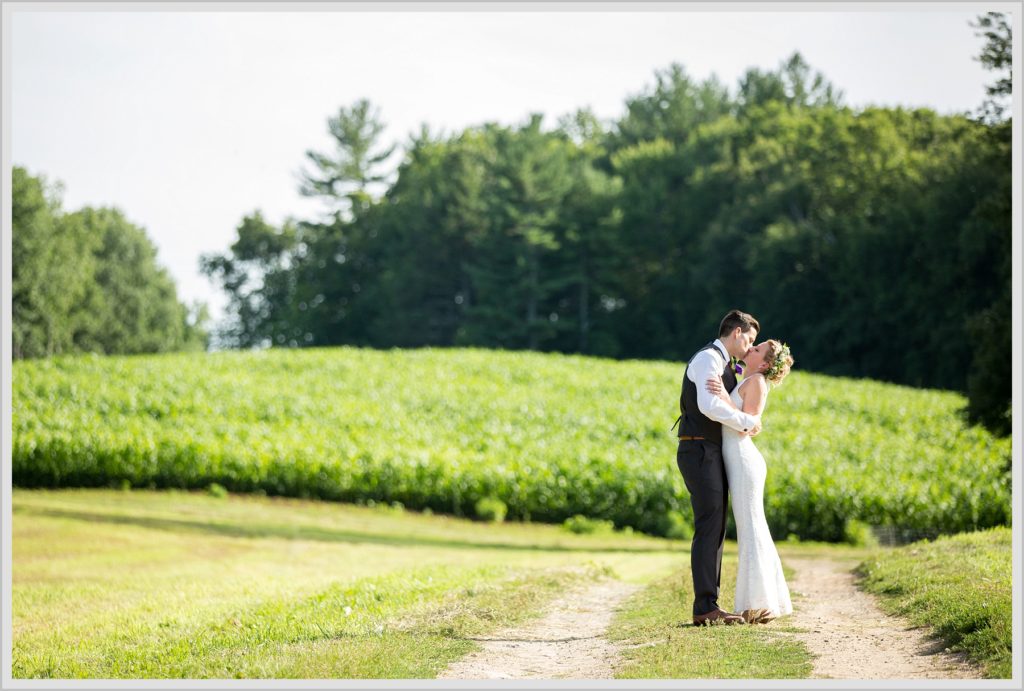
566 643
853 639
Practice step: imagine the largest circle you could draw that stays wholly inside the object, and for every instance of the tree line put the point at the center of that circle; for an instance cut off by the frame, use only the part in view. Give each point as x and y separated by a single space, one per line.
875 241
88 281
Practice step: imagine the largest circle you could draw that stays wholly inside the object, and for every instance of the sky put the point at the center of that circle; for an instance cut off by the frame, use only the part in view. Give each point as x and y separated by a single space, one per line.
188 121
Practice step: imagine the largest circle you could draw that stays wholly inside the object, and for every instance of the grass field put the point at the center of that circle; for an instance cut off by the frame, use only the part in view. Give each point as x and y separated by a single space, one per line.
112 584
671 651
171 584
961 586
115 584
135 583
722 652
548 436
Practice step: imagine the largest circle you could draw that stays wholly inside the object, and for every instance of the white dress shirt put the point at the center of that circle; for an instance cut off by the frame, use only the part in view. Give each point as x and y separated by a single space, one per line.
708 364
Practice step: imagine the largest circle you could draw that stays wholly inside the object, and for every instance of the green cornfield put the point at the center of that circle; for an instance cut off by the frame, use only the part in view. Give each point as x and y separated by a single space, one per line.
551 436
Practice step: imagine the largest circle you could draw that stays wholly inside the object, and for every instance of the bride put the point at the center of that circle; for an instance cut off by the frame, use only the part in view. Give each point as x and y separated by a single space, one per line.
761 590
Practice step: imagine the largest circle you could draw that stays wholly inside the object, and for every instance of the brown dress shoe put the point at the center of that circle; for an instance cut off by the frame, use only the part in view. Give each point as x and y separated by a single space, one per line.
717 616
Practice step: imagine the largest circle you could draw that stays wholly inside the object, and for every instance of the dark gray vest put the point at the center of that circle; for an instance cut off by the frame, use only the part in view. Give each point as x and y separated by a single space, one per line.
692 422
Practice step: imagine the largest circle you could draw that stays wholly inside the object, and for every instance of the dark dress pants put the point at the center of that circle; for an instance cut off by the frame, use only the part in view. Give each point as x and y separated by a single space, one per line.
703 471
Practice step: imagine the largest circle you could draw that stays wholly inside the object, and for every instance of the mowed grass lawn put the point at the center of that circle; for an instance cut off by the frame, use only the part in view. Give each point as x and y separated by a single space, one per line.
144 584
139 584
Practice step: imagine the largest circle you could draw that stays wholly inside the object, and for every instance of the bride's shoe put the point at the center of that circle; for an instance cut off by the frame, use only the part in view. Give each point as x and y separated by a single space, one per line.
757 616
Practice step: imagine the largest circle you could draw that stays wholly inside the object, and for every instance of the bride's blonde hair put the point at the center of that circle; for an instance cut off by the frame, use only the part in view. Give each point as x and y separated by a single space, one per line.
779 362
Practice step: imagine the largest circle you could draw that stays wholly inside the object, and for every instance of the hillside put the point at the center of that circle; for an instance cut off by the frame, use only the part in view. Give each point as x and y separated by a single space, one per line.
549 436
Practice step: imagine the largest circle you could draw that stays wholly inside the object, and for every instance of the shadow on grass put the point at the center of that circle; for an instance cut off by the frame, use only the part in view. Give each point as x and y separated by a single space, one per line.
255 530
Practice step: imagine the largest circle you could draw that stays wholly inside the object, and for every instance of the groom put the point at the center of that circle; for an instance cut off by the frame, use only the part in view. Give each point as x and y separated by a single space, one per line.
700 456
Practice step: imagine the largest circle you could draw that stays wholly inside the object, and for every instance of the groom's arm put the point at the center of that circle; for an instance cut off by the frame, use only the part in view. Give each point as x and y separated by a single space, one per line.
705 366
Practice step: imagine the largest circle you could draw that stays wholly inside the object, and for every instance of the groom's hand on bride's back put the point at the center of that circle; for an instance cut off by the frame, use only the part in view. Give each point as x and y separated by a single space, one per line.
755 430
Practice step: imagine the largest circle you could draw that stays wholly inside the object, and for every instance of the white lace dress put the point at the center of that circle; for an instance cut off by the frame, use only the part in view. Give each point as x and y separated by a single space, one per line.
759 579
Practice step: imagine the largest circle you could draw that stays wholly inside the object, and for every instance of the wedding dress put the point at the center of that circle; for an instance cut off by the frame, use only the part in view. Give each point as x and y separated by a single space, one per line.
759 579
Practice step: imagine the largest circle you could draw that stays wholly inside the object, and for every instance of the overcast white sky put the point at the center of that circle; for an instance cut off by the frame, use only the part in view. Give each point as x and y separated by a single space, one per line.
188 121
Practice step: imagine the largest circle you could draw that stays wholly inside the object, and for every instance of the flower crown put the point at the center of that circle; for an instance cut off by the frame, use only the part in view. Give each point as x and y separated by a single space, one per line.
778 363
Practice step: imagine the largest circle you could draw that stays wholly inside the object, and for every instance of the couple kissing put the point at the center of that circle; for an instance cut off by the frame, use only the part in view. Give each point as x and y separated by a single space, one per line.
717 457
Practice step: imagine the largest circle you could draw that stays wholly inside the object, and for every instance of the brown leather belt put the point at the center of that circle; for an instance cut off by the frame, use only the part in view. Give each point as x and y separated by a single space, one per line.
685 438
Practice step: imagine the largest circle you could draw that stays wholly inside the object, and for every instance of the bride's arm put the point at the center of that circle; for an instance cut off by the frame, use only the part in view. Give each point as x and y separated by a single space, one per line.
753 403
754 395
715 388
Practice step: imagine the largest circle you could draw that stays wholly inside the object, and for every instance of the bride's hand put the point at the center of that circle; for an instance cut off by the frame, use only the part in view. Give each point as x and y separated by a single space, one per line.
715 387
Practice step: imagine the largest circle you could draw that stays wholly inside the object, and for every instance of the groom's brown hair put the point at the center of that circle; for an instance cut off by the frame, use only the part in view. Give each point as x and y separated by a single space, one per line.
736 318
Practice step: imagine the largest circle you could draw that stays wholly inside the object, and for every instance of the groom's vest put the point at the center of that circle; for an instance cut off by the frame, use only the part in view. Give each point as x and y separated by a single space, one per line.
692 422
